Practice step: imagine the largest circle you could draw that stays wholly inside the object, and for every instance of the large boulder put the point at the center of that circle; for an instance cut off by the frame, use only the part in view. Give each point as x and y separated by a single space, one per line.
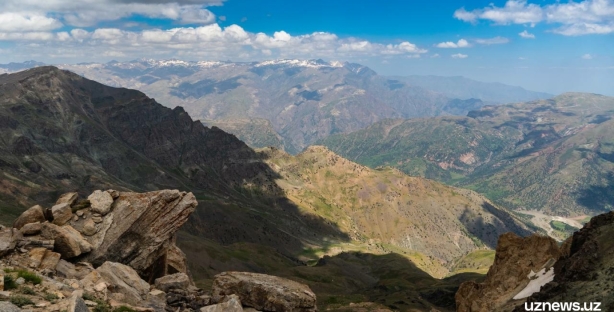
124 280
173 281
62 213
68 198
139 229
67 241
516 260
32 215
264 292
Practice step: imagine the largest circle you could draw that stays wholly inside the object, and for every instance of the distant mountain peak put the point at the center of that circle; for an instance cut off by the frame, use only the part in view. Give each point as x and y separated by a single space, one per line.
300 63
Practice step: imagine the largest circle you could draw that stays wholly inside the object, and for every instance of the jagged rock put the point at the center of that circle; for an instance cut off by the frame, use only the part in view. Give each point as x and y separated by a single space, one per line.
176 260
168 282
232 304
515 258
89 228
93 281
143 227
68 198
31 228
125 280
101 202
264 292
76 303
8 307
62 213
68 241
50 260
7 243
36 256
32 215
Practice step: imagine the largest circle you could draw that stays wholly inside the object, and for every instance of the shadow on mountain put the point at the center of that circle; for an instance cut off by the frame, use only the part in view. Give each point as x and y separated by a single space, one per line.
598 198
74 134
389 280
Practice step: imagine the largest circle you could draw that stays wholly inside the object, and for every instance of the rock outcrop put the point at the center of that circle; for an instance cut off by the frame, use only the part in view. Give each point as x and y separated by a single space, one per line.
516 258
264 292
585 272
32 215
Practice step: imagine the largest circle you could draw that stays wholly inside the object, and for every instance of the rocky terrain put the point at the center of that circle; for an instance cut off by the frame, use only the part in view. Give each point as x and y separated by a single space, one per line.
116 251
536 269
552 156
301 100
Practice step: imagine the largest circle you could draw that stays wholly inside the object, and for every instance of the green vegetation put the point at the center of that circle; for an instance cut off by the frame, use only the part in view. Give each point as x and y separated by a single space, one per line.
9 282
27 290
30 277
50 297
20 301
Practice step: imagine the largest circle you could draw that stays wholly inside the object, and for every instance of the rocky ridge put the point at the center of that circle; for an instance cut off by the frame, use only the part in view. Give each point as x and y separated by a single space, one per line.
116 251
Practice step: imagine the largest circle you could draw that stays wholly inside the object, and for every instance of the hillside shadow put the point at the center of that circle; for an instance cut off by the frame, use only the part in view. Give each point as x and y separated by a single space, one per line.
598 198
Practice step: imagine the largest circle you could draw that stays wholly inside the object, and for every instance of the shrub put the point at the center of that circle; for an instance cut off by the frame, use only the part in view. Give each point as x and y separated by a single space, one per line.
27 290
9 283
20 301
29 277
50 297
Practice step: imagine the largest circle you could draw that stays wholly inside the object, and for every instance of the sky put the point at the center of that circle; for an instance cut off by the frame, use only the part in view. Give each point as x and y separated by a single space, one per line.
541 45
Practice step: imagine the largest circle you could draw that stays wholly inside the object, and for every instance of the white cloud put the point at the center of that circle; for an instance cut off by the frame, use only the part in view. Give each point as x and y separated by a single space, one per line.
462 43
527 35
495 40
574 18
436 55
13 22
522 58
587 57
460 56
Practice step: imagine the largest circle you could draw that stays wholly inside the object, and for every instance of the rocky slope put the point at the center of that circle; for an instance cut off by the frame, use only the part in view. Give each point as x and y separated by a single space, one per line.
536 269
117 252
551 155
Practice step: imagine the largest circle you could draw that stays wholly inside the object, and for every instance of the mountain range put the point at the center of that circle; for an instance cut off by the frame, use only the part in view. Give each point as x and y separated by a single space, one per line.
293 102
347 230
553 156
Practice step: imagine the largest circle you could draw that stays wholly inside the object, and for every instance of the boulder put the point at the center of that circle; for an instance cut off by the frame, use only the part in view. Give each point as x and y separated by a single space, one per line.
515 258
232 304
7 243
68 241
173 281
143 225
35 257
264 292
176 260
32 215
101 202
68 198
50 260
76 303
61 213
8 307
123 279
31 228
89 228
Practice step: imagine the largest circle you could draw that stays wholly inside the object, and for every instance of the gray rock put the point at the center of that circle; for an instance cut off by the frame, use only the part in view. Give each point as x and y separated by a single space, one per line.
124 280
20 281
62 213
173 281
31 228
68 241
101 202
232 304
68 198
8 307
264 292
32 215
77 304
7 243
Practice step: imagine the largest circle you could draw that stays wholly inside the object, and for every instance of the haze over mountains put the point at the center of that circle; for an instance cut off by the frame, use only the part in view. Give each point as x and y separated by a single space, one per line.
294 103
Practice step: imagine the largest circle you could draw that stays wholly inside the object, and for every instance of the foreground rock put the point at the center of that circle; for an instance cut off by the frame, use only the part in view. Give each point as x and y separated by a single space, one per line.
516 258
125 281
231 304
585 271
32 215
143 229
264 292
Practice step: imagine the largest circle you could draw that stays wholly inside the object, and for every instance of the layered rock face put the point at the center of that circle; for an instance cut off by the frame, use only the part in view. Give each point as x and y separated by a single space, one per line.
516 258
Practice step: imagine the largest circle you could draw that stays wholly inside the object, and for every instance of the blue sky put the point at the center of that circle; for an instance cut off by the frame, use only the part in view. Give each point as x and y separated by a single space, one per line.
540 45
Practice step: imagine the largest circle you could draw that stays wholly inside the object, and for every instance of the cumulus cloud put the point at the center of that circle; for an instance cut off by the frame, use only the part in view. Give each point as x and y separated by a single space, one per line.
459 56
573 18
525 34
587 57
495 40
462 43
212 42
13 22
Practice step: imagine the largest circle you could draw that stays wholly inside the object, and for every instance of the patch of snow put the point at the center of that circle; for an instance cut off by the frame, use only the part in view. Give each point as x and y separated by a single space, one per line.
300 63
537 280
